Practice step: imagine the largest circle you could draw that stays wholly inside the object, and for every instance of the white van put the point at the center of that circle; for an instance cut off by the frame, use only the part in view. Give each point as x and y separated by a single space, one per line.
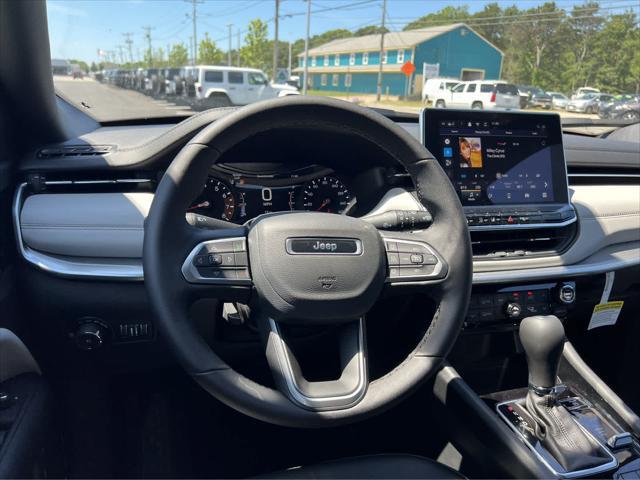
583 90
224 86
433 86
481 94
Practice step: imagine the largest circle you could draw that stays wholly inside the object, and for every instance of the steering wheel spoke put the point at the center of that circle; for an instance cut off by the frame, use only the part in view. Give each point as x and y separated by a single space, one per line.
339 393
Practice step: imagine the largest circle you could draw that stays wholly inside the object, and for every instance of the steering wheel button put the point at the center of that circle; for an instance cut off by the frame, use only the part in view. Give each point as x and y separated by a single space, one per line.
239 246
393 259
219 247
228 260
241 259
214 259
391 246
429 259
200 260
218 273
417 258
394 272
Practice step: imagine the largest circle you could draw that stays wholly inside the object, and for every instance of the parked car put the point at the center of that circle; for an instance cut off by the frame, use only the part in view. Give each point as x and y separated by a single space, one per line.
433 86
223 86
485 94
558 100
173 81
582 91
627 108
588 103
537 97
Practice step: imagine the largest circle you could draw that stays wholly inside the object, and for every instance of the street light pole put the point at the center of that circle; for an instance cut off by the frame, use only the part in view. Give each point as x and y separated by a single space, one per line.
306 49
384 14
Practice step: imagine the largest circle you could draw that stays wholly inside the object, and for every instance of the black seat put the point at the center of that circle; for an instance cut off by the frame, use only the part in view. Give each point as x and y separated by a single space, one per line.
372 466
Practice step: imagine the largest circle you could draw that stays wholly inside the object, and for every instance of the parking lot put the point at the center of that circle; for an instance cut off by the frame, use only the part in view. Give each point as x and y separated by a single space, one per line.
116 103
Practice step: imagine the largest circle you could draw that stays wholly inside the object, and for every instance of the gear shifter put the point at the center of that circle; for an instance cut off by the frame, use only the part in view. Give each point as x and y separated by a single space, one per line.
543 340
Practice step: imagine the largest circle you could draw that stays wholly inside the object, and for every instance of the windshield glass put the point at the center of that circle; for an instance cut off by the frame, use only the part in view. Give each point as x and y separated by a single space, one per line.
121 60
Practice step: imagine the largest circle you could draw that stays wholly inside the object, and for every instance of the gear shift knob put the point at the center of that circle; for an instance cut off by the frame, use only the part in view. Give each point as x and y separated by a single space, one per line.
542 337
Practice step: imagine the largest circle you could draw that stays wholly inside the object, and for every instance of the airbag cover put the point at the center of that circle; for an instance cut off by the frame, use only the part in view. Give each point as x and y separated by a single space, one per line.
310 267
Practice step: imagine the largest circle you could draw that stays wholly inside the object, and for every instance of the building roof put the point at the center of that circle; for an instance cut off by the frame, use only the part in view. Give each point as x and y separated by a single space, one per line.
392 40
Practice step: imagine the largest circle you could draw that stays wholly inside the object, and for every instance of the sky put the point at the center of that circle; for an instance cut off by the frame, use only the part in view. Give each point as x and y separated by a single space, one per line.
79 28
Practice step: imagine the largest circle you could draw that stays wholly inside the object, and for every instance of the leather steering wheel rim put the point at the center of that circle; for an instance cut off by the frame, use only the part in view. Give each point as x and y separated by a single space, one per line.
168 239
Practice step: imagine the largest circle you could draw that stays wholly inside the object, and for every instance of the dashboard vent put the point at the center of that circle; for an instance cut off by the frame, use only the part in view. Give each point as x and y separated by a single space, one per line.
75 151
497 244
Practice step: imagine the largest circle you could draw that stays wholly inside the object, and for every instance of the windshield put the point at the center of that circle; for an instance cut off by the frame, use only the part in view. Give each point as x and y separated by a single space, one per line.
121 60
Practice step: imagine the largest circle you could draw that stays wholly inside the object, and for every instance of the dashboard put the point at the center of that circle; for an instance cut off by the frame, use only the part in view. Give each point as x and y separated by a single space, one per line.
236 195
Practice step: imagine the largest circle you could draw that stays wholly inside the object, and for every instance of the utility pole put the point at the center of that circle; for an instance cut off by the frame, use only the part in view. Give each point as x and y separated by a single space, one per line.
129 42
275 41
238 48
147 35
289 63
120 53
194 21
384 14
229 25
306 49
193 58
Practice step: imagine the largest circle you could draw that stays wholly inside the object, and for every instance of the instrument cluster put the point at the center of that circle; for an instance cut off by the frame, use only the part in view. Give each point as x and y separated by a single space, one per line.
238 197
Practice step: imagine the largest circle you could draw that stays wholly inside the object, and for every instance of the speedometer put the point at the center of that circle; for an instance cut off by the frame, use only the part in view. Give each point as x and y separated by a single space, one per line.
325 194
216 201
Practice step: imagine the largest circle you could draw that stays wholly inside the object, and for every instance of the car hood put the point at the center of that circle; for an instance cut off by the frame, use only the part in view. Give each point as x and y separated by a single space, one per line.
284 86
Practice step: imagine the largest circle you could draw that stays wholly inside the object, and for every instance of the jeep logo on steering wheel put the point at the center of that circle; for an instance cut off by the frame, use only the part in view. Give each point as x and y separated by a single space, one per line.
323 246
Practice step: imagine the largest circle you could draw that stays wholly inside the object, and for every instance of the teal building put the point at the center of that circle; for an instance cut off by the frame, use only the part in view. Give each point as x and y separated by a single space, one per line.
351 64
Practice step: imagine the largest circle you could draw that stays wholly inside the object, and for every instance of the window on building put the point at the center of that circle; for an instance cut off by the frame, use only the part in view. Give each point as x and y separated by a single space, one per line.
365 58
326 61
323 79
471 87
352 59
385 56
213 77
235 77
400 56
347 80
313 61
336 60
335 80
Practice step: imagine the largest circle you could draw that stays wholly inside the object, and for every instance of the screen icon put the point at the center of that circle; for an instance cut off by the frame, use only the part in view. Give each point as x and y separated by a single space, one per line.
447 152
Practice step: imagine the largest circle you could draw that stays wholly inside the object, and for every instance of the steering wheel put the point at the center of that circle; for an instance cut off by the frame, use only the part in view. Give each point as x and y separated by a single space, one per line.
306 268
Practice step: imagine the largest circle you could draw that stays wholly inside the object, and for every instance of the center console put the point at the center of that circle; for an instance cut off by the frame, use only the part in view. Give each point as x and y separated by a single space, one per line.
510 173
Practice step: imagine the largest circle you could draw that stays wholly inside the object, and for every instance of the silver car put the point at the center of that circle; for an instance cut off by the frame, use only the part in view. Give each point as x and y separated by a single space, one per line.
558 100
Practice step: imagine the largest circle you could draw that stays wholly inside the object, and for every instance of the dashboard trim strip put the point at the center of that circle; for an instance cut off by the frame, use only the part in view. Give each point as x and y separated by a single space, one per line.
133 271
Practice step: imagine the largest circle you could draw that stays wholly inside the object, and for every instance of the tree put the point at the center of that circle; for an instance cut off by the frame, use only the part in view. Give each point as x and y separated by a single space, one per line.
255 52
208 52
442 17
370 30
178 56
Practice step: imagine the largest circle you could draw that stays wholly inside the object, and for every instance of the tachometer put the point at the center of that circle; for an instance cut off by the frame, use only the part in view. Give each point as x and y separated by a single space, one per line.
216 201
325 194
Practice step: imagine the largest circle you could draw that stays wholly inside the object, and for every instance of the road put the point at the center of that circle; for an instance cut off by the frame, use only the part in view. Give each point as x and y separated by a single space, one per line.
107 102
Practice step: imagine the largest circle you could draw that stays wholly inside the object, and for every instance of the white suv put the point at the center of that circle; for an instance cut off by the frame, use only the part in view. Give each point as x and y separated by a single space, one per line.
224 86
485 94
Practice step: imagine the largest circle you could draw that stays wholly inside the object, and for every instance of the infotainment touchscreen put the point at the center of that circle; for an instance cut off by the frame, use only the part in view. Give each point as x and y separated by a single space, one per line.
499 158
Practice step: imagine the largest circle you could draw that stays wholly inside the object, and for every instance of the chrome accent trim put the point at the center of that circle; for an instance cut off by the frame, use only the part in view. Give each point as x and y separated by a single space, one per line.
191 274
524 225
542 391
320 403
290 250
93 182
437 268
587 472
87 268
98 182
